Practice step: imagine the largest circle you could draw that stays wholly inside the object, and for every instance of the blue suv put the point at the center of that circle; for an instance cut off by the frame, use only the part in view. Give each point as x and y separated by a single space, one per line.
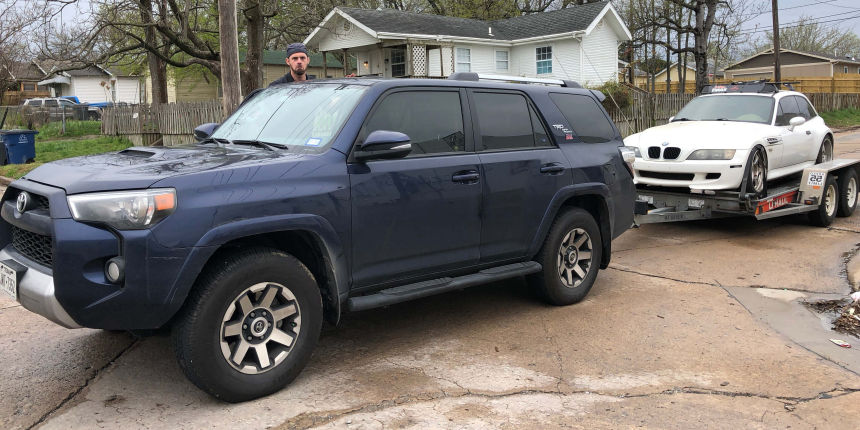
317 198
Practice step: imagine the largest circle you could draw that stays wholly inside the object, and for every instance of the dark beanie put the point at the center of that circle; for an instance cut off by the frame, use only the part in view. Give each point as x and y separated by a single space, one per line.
295 48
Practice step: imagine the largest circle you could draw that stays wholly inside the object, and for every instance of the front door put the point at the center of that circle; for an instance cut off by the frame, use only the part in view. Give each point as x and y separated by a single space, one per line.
421 214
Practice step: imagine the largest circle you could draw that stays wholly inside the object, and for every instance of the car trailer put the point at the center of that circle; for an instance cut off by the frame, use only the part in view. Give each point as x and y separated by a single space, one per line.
823 191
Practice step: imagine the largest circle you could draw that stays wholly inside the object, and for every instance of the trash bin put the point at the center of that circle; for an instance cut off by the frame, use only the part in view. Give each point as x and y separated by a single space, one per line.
19 146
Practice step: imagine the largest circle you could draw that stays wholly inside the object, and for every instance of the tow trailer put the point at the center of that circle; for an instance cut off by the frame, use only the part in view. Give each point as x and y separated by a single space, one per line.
823 191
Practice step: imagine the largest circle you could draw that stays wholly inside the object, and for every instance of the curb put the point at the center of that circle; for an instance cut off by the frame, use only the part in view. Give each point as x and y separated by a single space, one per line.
4 181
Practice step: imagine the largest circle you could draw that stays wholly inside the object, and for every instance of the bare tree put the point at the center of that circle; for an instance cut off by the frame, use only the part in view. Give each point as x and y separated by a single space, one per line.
16 23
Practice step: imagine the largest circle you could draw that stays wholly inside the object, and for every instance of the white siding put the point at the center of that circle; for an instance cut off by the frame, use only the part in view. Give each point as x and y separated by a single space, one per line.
128 89
335 37
565 60
434 62
600 55
89 90
374 63
482 57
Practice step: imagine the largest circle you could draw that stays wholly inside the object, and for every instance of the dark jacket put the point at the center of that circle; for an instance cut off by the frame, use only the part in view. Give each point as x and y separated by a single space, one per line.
288 78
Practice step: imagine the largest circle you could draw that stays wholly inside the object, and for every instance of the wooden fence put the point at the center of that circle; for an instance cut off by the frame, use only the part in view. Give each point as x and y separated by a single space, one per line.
166 124
840 84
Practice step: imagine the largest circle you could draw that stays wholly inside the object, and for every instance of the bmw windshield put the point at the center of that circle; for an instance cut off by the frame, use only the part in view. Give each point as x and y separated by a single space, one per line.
745 108
295 117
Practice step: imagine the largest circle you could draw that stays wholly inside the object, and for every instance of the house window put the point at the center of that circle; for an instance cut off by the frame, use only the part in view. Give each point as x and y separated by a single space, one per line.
464 60
844 69
28 86
398 62
543 55
502 60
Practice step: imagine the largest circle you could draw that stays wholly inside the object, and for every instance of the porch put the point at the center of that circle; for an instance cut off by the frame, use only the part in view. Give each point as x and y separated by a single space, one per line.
401 59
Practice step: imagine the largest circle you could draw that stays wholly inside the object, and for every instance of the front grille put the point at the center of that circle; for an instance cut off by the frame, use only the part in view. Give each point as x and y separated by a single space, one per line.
667 176
39 202
671 153
654 152
33 246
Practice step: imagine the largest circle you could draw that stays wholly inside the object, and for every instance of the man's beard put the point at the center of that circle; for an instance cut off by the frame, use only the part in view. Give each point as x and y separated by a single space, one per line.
299 72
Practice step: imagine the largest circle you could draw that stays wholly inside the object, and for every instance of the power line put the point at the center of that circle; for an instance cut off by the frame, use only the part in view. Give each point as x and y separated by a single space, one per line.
799 23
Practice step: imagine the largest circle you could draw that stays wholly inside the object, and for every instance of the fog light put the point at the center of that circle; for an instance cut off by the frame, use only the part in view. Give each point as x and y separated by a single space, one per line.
115 270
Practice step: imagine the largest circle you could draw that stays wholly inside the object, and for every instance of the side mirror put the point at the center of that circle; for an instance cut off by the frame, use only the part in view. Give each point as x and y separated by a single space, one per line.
796 122
671 118
205 130
384 145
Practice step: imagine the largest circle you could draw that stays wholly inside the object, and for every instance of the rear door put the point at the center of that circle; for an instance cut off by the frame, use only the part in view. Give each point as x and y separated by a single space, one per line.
419 215
522 169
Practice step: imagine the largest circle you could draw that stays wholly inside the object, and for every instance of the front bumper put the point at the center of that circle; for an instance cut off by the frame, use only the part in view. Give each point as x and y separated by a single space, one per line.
36 290
698 175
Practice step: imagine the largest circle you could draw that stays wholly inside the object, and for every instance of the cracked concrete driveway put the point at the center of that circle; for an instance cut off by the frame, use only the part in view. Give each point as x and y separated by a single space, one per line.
693 325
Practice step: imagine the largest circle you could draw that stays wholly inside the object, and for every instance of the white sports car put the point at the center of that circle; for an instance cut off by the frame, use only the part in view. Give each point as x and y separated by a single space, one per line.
741 131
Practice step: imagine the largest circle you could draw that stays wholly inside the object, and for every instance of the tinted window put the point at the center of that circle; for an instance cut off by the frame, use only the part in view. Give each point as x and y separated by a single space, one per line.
805 108
505 121
51 103
585 117
787 110
541 136
433 120
34 103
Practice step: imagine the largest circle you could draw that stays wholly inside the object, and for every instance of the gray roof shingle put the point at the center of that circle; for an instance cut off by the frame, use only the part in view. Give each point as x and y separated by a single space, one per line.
574 18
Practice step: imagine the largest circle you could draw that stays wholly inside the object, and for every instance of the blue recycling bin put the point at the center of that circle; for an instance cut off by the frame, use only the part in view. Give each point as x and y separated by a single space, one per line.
19 146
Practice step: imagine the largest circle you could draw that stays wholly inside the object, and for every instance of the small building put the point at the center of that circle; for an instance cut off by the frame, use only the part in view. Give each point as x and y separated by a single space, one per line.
795 64
94 84
577 43
21 80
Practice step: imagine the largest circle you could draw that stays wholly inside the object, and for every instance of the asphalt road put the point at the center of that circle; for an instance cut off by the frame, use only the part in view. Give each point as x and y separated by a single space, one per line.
693 325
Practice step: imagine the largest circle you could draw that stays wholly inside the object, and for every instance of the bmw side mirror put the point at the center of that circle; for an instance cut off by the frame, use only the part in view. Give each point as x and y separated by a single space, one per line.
383 145
205 130
796 122
671 118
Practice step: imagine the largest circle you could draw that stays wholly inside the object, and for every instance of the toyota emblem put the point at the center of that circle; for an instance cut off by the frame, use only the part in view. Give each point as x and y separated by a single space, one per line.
23 202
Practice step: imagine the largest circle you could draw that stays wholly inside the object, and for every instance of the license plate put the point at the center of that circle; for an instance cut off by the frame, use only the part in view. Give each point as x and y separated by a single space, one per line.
9 281
816 179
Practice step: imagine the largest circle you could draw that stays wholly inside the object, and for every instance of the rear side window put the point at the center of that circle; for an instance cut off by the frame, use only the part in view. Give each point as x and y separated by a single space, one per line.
34 103
786 111
805 108
507 122
585 117
51 103
433 120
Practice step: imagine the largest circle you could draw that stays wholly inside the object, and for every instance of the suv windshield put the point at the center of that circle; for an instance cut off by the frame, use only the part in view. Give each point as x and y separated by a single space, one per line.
746 108
302 117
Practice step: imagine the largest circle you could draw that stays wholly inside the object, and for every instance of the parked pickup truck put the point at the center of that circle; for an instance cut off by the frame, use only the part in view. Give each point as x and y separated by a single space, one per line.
317 198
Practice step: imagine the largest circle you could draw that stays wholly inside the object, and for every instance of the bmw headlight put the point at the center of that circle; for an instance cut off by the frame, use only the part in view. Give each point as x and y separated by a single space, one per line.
712 154
124 210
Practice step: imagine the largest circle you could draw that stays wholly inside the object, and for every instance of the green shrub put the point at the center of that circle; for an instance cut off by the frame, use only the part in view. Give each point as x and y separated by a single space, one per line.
73 129
618 92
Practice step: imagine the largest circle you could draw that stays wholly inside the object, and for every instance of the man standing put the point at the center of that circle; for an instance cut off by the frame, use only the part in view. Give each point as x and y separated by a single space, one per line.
298 62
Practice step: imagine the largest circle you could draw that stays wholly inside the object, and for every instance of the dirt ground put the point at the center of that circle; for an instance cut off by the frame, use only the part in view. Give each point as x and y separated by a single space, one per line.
697 324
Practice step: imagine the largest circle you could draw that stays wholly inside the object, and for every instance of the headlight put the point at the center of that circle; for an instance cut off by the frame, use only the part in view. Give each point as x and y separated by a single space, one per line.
124 210
635 150
712 154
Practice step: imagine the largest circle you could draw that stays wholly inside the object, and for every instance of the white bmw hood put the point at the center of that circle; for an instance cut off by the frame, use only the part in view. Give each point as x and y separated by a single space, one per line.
691 135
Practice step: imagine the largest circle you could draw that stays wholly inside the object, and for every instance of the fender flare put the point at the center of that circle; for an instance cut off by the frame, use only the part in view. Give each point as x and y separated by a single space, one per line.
320 229
596 189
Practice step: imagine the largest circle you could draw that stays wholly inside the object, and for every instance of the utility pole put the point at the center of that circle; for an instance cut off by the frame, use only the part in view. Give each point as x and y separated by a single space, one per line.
776 66
230 79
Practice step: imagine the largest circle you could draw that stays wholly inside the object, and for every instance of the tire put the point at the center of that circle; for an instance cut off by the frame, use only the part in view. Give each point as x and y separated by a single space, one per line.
847 192
559 282
260 293
826 212
825 151
756 173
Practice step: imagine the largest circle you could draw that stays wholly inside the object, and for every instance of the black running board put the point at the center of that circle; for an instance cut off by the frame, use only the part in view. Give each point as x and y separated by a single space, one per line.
417 290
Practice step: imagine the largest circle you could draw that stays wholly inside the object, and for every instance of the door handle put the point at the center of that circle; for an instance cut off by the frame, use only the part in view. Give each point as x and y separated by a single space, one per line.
552 168
808 131
466 177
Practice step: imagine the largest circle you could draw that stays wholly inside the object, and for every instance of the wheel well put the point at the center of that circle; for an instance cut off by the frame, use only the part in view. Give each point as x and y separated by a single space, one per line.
596 206
305 247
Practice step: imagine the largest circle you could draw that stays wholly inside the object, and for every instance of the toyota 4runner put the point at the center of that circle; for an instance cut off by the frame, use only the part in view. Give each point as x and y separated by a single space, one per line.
317 198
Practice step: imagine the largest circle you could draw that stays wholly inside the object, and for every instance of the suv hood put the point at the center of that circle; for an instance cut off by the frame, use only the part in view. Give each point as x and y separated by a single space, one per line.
140 167
704 135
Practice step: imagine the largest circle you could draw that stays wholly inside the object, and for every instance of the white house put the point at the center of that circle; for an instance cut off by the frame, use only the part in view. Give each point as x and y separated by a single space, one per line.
579 43
95 84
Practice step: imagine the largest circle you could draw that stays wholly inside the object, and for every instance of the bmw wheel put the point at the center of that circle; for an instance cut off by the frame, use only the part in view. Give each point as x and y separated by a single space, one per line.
756 173
250 325
825 152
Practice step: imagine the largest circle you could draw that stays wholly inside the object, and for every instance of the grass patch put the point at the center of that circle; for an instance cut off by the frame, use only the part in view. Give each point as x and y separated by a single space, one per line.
842 117
73 129
47 151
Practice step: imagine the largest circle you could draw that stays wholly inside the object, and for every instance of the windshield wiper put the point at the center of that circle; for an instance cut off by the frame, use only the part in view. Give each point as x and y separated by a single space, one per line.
265 145
682 119
217 141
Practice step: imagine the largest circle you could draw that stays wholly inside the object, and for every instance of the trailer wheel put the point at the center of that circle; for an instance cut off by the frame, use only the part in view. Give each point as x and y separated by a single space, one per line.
826 212
848 192
570 256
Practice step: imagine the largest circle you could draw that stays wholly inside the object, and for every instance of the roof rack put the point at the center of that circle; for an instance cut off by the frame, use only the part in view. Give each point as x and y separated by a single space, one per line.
759 86
472 76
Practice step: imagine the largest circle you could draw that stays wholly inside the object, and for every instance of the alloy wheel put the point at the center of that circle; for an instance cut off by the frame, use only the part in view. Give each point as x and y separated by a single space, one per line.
574 257
758 172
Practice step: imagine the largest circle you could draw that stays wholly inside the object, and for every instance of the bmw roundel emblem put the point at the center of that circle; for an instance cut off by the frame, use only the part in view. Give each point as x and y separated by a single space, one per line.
665 144
23 202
